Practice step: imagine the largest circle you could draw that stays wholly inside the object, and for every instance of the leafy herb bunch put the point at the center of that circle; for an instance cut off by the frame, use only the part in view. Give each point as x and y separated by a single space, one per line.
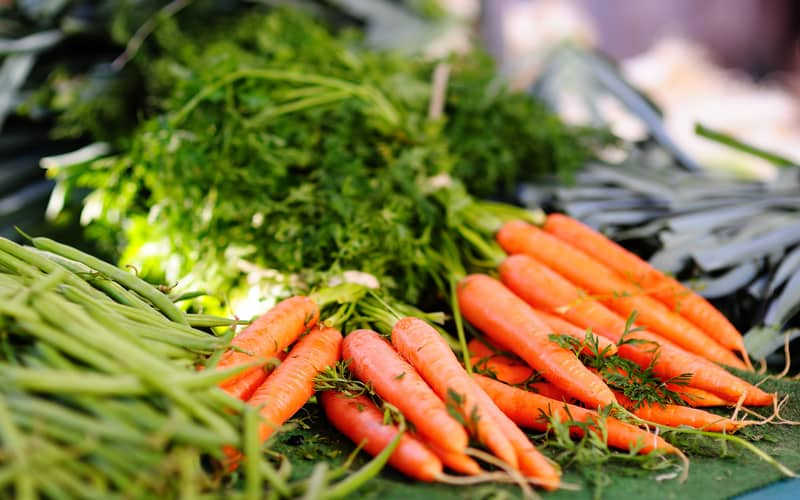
281 145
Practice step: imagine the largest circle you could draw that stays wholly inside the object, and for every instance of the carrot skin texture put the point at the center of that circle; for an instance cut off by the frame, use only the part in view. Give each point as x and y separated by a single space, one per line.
457 462
509 370
545 289
525 408
265 338
244 387
288 388
508 320
373 360
361 421
675 415
531 462
638 271
697 398
423 347
517 237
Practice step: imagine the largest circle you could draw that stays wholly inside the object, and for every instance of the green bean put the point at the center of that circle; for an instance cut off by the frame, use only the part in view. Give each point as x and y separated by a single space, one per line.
53 358
189 466
130 281
24 485
252 455
316 482
70 345
209 321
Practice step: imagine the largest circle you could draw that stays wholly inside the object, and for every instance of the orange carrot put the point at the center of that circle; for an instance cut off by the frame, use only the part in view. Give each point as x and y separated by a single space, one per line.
527 409
563 327
696 398
639 272
508 320
675 415
245 386
457 462
360 420
265 338
518 237
531 462
504 368
547 290
374 361
288 388
425 349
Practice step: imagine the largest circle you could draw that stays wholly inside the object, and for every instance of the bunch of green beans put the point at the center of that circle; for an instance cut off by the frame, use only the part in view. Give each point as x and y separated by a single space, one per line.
101 396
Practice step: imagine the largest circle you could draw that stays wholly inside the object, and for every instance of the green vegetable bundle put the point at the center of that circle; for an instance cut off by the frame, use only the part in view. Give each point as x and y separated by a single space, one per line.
283 146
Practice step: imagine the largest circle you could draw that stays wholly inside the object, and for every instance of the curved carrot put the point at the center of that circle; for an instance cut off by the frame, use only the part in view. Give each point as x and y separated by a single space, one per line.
288 388
639 272
360 420
508 320
458 462
425 349
374 361
675 415
265 338
518 237
529 410
545 289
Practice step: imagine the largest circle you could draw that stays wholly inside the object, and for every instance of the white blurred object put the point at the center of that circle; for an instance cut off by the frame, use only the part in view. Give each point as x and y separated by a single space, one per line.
680 77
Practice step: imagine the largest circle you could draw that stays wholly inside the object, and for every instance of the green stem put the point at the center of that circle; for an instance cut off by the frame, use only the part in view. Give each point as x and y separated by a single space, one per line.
339 294
738 144
459 321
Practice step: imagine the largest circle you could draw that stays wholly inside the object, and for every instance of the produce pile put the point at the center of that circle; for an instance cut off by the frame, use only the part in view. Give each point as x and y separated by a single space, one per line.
335 194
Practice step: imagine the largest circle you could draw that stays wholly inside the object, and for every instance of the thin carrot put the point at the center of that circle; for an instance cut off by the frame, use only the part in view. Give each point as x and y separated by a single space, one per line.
360 420
547 290
457 462
559 325
531 462
374 361
676 415
639 272
244 387
425 349
697 398
518 237
528 409
265 338
508 320
288 388
507 369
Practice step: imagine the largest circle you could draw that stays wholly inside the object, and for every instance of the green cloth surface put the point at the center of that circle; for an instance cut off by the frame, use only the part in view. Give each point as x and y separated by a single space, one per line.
713 473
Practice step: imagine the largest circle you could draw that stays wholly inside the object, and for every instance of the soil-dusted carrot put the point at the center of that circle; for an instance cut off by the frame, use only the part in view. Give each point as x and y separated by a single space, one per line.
518 237
559 325
528 409
360 420
425 349
545 289
457 462
675 415
639 272
531 462
288 388
266 337
508 320
374 361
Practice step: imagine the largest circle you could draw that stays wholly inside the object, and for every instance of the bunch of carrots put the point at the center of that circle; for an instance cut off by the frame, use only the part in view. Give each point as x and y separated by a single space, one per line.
570 317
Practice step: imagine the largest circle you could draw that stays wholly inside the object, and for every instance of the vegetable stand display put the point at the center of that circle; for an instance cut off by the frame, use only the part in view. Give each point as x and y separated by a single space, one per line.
408 337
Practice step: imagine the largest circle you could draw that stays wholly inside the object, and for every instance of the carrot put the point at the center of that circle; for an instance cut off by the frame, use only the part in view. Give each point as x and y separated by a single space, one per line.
547 290
504 368
458 462
360 420
374 361
639 272
528 409
265 338
508 320
244 387
425 349
695 397
563 327
288 388
675 415
518 237
531 462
